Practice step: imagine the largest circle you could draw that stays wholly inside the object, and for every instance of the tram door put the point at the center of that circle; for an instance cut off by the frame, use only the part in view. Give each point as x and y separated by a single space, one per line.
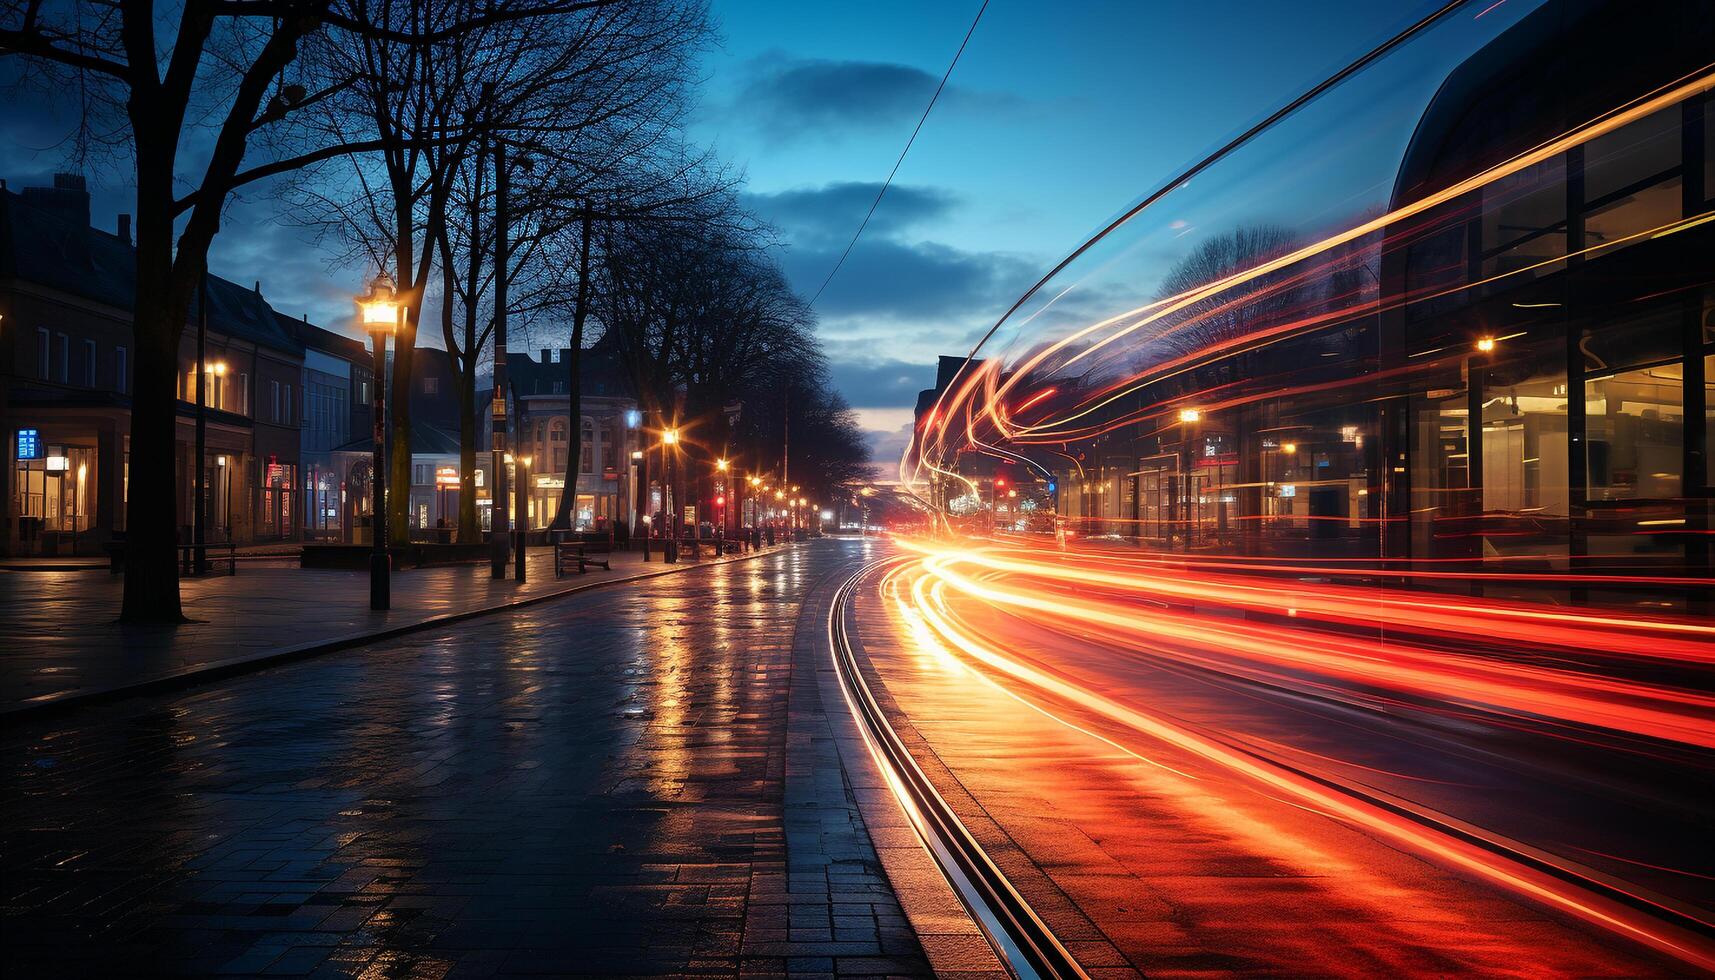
1155 501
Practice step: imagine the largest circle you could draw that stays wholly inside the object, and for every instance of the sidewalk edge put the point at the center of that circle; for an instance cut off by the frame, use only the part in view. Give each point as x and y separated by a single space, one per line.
224 669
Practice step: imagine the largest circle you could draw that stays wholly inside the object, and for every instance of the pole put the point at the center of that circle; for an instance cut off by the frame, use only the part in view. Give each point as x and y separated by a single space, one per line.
644 500
501 525
200 506
380 588
670 551
522 497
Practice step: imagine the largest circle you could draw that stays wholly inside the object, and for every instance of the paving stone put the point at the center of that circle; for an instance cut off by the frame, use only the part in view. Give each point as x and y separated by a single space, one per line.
640 779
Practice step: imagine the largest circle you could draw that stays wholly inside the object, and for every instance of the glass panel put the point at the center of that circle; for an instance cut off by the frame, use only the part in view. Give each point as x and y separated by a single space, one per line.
1709 417
1635 428
1628 219
1632 153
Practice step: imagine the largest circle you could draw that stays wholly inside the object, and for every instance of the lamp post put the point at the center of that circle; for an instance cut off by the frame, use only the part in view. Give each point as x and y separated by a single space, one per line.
522 505
669 449
381 312
637 501
226 492
722 467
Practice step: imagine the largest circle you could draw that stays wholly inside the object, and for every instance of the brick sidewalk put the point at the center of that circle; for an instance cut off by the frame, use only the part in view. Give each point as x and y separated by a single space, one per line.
582 787
63 641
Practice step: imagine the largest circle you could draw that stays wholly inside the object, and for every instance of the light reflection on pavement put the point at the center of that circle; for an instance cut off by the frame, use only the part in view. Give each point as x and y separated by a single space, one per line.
1116 785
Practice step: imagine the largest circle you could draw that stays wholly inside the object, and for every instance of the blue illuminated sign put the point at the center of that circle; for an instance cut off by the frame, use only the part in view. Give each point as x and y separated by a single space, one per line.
29 444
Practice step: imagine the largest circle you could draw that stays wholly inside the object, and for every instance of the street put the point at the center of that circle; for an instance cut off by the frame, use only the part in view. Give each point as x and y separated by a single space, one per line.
594 785
1166 805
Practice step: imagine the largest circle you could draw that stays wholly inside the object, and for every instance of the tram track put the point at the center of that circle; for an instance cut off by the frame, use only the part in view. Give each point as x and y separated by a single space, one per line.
1021 940
1019 936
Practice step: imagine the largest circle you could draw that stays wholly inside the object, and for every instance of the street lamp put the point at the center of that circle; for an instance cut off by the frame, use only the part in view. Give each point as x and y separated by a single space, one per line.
670 550
380 313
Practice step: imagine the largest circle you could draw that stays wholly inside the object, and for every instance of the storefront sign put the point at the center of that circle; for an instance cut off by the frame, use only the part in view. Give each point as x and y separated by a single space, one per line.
29 444
446 476
550 483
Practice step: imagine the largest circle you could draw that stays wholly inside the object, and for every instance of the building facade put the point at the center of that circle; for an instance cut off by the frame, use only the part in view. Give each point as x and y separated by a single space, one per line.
65 382
610 428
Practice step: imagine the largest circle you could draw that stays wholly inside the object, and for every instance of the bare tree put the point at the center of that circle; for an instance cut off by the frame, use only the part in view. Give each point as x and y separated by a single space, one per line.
219 77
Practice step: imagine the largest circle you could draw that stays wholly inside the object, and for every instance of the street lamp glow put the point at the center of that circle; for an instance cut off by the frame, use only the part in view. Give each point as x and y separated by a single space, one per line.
1289 447
1189 415
1486 344
721 464
669 437
755 480
637 455
381 307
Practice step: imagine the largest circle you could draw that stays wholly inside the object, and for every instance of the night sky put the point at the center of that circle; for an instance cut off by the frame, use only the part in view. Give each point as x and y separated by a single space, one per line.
1057 117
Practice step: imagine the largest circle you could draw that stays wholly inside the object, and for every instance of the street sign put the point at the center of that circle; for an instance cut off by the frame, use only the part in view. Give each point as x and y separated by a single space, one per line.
29 444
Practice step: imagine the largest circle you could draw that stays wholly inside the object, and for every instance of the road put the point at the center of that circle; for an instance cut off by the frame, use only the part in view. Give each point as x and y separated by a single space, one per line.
597 784
1190 768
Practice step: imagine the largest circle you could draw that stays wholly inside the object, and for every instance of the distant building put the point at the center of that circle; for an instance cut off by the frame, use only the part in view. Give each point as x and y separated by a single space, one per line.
610 424
338 375
66 380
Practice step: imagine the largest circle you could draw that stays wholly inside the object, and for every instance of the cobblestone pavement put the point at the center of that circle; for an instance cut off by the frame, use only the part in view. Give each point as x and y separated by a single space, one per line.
595 785
63 639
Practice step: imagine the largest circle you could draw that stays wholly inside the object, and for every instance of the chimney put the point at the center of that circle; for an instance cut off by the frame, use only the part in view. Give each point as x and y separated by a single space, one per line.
547 356
68 198
125 228
258 287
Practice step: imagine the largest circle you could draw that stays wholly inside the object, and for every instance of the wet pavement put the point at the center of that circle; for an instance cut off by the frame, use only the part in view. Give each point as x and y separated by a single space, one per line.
599 784
64 641
1148 858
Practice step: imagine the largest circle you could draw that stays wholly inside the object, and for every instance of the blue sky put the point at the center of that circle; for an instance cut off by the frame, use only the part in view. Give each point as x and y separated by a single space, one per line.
1058 116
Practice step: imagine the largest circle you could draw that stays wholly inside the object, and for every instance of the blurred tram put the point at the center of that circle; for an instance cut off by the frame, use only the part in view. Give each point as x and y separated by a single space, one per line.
1511 370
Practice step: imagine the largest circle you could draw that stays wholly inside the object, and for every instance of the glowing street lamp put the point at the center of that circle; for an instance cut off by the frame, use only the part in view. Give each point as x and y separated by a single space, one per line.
1486 344
1189 415
379 311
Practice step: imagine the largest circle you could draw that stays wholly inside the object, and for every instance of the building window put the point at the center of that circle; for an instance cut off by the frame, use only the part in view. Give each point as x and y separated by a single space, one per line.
65 359
244 394
586 452
89 364
274 401
431 386
119 373
42 353
287 418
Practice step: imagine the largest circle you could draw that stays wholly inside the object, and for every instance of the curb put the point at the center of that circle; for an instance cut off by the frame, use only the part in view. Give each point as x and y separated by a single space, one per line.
224 669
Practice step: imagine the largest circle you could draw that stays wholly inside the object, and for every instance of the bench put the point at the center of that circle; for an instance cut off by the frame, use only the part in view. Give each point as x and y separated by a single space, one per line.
590 549
187 557
212 554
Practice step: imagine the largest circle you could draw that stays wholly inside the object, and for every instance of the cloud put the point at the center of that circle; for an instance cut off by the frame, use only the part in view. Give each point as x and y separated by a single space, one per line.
830 213
787 99
883 384
909 281
885 448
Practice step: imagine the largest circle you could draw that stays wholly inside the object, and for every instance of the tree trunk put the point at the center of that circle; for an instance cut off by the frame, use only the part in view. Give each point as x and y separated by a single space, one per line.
470 532
563 517
151 512
159 313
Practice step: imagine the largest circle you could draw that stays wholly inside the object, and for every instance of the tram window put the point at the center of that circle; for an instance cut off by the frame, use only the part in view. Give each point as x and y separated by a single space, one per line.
1635 426
1709 416
1524 218
1635 152
1634 214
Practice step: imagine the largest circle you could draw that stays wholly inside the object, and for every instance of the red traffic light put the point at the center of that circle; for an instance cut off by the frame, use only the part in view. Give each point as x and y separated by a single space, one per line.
720 501
1000 481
